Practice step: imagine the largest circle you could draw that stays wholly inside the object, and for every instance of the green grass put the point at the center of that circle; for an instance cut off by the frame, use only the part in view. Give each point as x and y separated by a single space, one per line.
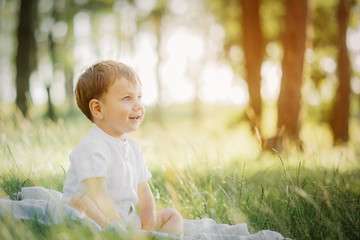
204 168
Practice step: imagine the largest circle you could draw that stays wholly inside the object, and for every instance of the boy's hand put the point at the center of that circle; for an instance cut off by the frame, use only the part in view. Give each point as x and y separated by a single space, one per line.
96 189
146 207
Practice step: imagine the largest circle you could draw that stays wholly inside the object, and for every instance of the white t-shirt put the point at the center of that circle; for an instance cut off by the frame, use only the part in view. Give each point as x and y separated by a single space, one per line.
99 154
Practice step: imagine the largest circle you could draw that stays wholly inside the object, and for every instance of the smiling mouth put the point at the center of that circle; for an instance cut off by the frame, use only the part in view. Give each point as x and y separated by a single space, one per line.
135 118
138 116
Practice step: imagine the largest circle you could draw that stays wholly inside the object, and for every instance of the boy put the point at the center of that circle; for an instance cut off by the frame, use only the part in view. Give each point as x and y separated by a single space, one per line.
107 178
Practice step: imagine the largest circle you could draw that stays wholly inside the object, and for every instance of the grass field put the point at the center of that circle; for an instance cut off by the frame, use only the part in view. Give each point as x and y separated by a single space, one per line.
204 168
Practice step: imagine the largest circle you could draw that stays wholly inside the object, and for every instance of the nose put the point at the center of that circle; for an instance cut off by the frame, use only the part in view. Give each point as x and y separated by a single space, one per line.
138 105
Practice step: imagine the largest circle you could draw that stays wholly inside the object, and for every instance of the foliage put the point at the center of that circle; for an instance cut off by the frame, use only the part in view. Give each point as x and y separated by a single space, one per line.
11 229
204 169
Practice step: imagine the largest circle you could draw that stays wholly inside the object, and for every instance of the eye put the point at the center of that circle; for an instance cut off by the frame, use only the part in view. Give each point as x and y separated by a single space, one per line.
139 98
126 98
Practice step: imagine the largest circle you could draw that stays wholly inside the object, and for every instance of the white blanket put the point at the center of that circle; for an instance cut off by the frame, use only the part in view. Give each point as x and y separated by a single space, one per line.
45 206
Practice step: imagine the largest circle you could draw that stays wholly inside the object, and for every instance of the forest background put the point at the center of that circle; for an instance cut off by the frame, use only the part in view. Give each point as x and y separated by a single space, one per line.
264 95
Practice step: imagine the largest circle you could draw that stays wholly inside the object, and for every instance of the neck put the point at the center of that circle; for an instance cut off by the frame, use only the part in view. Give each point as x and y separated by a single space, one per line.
119 136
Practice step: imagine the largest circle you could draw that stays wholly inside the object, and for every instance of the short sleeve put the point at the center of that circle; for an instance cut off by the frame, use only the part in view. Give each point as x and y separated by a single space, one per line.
144 173
89 161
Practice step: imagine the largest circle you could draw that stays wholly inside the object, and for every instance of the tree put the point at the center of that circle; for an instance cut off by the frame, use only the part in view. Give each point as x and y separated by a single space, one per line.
241 21
294 39
52 45
155 18
340 114
25 57
253 45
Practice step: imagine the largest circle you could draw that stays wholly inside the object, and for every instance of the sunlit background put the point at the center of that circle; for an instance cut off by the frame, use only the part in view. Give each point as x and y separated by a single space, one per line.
191 42
213 153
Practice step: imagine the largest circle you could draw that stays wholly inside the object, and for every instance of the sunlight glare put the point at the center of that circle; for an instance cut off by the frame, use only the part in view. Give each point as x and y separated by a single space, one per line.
108 45
108 24
57 91
178 89
309 55
184 43
145 6
273 50
312 96
108 42
44 77
216 80
7 91
82 27
327 89
236 53
178 6
46 25
239 94
353 39
128 20
356 62
83 47
355 85
59 30
271 79
217 32
217 35
146 59
328 64
45 70
37 89
45 6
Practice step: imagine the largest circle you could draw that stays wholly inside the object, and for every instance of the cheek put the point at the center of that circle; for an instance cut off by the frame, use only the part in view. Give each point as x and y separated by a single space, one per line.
142 109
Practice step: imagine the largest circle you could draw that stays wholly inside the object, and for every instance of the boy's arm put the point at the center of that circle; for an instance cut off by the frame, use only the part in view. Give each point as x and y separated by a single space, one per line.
96 189
146 207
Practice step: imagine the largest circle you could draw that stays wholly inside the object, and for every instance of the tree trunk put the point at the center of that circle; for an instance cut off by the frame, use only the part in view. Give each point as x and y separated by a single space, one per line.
69 64
50 111
52 48
253 44
340 114
25 53
69 86
158 110
294 40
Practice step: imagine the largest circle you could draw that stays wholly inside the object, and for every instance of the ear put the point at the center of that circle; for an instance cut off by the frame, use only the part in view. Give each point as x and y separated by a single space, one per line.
96 109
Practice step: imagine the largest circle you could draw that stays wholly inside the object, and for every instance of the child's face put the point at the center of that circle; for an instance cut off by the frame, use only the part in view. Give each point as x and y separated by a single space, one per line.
122 110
